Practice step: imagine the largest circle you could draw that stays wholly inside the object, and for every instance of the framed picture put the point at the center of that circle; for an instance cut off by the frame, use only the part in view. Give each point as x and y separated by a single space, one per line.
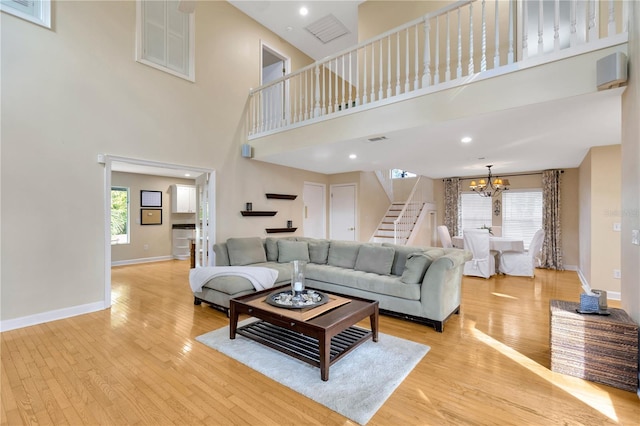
150 198
150 216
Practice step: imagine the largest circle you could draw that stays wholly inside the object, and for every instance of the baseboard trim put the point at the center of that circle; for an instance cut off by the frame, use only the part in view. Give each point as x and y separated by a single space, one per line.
141 260
570 267
48 316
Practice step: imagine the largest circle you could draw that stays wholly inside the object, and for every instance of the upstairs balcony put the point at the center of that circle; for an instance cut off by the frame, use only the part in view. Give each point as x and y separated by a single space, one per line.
416 73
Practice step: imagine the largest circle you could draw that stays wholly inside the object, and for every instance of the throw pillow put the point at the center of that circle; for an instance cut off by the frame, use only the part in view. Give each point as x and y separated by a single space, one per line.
245 251
318 251
415 267
375 259
271 245
343 254
292 250
401 256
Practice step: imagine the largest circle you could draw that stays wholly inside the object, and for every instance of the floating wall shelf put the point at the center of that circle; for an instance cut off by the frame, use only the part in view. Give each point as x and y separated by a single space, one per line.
257 213
281 196
277 230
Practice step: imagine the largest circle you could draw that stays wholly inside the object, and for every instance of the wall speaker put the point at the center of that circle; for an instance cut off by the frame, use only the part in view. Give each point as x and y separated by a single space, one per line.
247 151
611 71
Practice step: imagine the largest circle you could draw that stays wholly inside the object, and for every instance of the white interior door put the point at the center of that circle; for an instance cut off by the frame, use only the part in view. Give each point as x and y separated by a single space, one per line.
274 99
314 216
343 212
206 219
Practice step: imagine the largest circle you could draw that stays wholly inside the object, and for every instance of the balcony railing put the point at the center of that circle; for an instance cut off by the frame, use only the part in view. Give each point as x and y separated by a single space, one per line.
440 49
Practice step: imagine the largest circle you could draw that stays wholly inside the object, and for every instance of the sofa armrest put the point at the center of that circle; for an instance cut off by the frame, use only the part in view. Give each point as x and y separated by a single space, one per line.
441 287
222 255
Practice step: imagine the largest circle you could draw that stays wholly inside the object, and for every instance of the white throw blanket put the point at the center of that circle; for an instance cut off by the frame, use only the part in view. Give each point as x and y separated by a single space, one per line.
261 277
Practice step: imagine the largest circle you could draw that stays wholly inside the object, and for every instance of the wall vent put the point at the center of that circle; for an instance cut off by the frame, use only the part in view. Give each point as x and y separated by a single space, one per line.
327 29
377 139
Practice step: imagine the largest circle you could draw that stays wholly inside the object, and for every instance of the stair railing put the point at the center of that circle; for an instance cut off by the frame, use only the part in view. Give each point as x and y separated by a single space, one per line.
403 225
456 42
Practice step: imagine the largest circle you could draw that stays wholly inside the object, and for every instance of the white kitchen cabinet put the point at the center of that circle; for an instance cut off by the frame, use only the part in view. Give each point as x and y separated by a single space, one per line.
183 199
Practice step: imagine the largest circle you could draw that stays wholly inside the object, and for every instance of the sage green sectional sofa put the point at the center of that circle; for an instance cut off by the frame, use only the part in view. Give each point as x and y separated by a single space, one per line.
421 284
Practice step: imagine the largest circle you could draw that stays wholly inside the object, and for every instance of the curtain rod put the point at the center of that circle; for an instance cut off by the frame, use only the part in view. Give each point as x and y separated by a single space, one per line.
499 175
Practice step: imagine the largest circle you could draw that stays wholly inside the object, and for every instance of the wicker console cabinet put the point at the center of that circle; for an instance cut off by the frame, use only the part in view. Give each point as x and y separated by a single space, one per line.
599 348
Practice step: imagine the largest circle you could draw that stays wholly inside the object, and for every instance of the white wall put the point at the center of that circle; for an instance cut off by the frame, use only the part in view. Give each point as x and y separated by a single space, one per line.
631 171
75 92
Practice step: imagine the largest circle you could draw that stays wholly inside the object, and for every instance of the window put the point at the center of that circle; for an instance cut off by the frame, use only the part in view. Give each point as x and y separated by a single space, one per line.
521 214
119 215
476 211
36 11
165 37
400 174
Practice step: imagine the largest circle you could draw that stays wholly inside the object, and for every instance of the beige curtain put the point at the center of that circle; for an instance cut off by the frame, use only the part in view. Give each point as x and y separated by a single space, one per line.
452 205
551 211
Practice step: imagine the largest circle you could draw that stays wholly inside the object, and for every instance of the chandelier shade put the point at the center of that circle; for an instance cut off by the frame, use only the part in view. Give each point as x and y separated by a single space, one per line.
489 187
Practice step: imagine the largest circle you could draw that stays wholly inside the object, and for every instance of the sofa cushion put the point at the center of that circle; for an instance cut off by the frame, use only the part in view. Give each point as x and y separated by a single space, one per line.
318 251
375 259
271 245
401 256
292 250
343 254
365 281
245 251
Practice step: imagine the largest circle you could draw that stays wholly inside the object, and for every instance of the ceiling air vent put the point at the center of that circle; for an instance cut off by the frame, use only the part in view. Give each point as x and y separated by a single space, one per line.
377 139
327 29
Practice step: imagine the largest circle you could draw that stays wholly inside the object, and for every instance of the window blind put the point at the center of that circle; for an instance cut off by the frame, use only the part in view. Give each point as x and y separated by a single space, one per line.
521 214
476 210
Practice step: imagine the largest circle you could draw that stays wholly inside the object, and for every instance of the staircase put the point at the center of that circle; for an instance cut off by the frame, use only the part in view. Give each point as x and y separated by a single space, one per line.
386 232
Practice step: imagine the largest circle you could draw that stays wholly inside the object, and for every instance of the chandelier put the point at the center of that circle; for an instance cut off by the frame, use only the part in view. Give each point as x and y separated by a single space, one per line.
491 186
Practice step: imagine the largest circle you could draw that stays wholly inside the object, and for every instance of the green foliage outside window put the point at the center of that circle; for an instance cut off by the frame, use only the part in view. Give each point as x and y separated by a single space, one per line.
119 215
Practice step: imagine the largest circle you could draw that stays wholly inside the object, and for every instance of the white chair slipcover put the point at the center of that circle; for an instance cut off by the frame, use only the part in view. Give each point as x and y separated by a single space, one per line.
522 264
445 237
483 263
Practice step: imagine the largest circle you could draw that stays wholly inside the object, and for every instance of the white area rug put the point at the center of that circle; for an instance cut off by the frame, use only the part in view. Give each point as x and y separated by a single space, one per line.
358 384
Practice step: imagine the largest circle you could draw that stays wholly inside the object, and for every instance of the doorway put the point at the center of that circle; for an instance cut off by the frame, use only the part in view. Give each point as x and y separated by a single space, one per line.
274 100
205 204
314 216
343 212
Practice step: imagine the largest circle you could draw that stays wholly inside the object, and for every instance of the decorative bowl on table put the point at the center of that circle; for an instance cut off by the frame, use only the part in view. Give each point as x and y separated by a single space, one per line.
307 299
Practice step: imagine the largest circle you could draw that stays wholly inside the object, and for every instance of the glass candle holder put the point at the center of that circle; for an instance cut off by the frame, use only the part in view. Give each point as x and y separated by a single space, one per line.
297 279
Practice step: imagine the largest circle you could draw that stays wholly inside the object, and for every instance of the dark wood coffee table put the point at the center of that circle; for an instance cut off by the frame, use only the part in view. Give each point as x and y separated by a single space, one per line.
320 341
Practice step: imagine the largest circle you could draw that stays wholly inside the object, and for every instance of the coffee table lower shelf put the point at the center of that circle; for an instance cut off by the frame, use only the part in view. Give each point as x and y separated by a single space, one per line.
303 347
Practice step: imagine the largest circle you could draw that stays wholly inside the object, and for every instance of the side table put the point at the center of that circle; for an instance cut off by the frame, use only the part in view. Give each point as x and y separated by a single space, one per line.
600 348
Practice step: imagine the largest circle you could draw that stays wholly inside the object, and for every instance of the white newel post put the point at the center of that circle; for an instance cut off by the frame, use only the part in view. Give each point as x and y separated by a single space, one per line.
540 28
436 74
472 68
426 76
316 109
447 74
483 57
556 26
407 85
496 56
459 67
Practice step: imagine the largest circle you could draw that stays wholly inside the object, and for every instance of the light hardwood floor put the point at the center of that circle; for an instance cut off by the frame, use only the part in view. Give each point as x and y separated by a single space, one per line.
139 363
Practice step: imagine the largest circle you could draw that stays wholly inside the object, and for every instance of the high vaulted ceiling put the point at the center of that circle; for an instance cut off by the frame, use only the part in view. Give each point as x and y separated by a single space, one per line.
554 134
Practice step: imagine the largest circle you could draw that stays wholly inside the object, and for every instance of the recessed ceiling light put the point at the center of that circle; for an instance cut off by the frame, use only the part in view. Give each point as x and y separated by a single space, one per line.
466 139
304 11
353 156
187 174
289 28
